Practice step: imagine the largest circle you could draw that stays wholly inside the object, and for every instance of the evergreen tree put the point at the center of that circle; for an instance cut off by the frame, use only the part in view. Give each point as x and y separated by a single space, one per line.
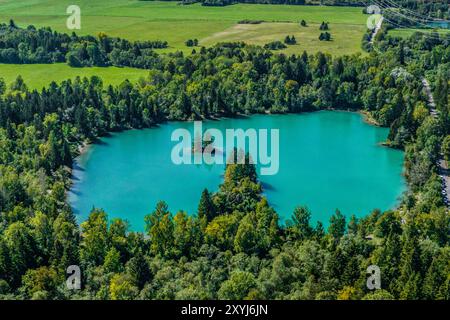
301 227
206 207
337 225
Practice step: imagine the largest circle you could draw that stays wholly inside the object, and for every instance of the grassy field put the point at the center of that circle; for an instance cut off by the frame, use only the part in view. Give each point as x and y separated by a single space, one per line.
343 41
175 23
36 76
151 20
405 33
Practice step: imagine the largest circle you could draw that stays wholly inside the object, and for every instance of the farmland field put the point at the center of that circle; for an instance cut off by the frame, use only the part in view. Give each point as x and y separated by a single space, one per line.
175 23
36 76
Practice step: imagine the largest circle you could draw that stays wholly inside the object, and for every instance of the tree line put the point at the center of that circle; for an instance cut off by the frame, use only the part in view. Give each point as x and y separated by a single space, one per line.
32 45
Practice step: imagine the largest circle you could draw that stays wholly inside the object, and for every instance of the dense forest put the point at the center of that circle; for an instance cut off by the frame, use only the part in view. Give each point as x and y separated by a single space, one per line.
234 247
32 45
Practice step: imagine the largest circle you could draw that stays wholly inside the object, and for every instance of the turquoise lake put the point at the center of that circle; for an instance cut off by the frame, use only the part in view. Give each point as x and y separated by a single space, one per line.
327 160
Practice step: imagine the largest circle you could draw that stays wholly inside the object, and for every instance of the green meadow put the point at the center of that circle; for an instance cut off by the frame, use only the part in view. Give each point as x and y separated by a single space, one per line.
37 76
175 23
344 39
407 32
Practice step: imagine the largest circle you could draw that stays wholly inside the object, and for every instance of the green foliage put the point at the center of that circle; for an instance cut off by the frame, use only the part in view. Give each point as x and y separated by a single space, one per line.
112 261
138 270
325 36
121 288
290 40
159 227
40 283
446 148
337 225
301 228
257 231
168 22
206 207
238 287
222 230
275 45
191 43
43 45
94 238
379 295
234 248
324 26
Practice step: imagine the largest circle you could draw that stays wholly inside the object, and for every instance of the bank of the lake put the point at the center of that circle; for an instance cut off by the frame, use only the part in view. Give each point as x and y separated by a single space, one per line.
328 160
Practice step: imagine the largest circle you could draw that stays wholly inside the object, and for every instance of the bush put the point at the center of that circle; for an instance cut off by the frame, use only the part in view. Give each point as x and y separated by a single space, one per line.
247 21
191 43
324 26
4 287
290 40
325 36
275 45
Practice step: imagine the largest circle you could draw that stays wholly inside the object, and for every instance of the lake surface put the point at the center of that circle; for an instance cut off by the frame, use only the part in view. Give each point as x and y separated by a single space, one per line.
439 24
327 159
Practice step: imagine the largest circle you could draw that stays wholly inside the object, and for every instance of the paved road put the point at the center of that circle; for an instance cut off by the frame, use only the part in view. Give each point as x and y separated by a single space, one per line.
444 171
377 28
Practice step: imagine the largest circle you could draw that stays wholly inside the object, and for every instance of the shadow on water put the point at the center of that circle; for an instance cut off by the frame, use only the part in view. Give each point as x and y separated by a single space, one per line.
107 135
75 211
77 167
237 116
101 143
76 192
267 186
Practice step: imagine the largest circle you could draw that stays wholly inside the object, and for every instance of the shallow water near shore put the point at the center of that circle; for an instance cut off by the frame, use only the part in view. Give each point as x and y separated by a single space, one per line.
328 160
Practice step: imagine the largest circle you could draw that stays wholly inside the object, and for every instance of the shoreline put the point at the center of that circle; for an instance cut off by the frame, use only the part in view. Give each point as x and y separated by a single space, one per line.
83 148
367 117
